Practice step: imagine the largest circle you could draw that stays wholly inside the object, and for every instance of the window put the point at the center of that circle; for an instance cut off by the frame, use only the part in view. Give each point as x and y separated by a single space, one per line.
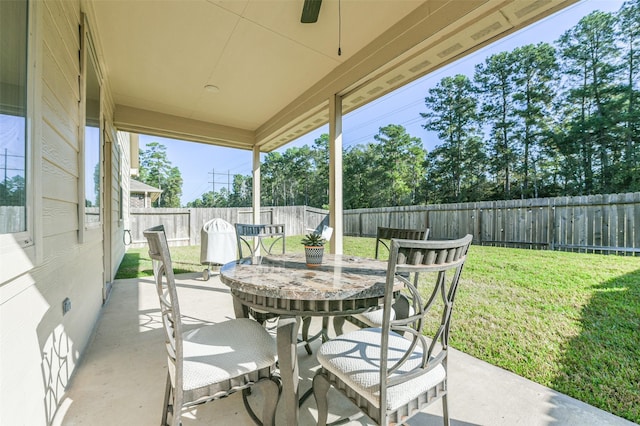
121 203
118 173
91 143
92 172
13 117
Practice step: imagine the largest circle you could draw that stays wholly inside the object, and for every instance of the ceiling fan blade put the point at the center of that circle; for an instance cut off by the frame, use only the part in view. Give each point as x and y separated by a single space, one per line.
310 11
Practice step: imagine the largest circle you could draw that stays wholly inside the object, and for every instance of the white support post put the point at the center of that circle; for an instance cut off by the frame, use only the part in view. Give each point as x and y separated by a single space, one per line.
335 173
256 185
256 196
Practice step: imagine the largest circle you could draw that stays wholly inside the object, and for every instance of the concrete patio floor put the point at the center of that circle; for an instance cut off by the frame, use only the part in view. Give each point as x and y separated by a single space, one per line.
121 378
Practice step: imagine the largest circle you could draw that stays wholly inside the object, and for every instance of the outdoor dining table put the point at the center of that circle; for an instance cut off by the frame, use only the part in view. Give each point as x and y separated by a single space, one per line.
284 285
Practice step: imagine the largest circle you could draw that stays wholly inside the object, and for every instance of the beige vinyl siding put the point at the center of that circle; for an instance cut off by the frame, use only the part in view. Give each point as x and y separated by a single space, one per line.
112 190
121 181
39 346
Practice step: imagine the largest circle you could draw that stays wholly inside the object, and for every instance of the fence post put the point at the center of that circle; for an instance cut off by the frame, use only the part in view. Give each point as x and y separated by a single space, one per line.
478 223
192 226
551 207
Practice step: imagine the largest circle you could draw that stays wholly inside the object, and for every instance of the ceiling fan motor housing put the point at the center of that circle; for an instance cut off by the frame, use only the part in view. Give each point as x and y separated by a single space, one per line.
310 11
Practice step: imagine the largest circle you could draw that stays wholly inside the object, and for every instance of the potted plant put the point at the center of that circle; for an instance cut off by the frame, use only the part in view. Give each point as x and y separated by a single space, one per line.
313 248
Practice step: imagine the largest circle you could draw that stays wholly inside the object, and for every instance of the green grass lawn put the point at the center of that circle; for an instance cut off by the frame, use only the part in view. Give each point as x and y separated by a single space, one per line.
569 321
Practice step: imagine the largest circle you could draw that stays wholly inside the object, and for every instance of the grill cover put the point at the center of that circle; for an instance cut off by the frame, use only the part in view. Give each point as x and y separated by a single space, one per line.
218 242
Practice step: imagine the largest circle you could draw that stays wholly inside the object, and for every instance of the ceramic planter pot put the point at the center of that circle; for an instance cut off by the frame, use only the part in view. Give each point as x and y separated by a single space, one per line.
314 255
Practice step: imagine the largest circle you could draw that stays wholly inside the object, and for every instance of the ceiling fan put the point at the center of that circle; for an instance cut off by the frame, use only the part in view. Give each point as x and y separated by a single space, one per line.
310 11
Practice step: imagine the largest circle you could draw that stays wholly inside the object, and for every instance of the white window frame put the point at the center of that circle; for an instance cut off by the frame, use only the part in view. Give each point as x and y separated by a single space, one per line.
88 230
22 251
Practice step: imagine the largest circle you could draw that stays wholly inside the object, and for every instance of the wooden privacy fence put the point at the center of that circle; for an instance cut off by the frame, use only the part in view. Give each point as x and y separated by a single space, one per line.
12 218
183 226
595 223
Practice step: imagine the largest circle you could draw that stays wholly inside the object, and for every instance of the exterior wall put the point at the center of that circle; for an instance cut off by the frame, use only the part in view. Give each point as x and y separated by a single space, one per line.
121 195
39 346
139 201
117 170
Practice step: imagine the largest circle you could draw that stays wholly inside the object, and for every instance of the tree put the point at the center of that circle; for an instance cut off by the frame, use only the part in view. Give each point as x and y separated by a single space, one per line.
456 166
398 165
96 187
273 187
206 200
496 89
156 170
241 192
360 179
629 35
535 69
589 52
299 170
12 191
318 187
300 175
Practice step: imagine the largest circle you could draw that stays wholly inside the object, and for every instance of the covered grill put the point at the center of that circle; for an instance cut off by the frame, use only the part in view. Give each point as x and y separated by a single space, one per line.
217 244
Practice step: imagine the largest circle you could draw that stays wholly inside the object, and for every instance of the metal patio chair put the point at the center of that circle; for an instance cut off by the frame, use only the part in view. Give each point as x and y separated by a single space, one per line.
394 371
264 237
401 305
212 361
385 235
268 239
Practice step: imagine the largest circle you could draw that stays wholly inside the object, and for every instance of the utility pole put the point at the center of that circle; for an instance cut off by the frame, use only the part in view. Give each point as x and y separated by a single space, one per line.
159 181
213 179
5 166
4 182
221 181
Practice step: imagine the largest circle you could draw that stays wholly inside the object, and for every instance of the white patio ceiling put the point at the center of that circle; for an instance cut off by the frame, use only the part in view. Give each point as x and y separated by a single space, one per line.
276 75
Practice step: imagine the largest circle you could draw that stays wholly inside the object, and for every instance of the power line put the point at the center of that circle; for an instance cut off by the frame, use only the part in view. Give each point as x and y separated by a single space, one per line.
221 181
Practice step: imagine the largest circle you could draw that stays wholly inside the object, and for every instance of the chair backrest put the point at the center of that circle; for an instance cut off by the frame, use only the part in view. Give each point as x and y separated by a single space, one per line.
439 264
168 297
251 237
327 232
386 234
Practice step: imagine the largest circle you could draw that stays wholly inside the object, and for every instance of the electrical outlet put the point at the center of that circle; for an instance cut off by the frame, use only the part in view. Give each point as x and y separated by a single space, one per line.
66 306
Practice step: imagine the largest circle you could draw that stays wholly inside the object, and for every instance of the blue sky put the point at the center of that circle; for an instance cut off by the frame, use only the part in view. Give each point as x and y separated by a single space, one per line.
197 162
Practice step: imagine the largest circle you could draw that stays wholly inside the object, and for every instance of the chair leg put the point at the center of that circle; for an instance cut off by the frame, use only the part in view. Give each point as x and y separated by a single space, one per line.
445 410
338 324
167 398
320 392
176 400
306 323
325 329
272 390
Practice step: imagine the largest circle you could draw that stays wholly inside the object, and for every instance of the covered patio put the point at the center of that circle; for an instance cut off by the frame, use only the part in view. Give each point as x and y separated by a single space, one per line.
121 377
243 74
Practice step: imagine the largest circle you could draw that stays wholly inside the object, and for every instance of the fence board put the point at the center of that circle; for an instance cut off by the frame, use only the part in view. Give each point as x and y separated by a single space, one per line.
635 226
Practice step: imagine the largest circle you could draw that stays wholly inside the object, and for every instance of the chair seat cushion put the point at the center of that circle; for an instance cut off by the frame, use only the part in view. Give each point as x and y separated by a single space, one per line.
373 318
218 353
355 359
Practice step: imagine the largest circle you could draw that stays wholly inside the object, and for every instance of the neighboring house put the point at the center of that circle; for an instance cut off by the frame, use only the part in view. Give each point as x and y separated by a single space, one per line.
80 78
142 195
